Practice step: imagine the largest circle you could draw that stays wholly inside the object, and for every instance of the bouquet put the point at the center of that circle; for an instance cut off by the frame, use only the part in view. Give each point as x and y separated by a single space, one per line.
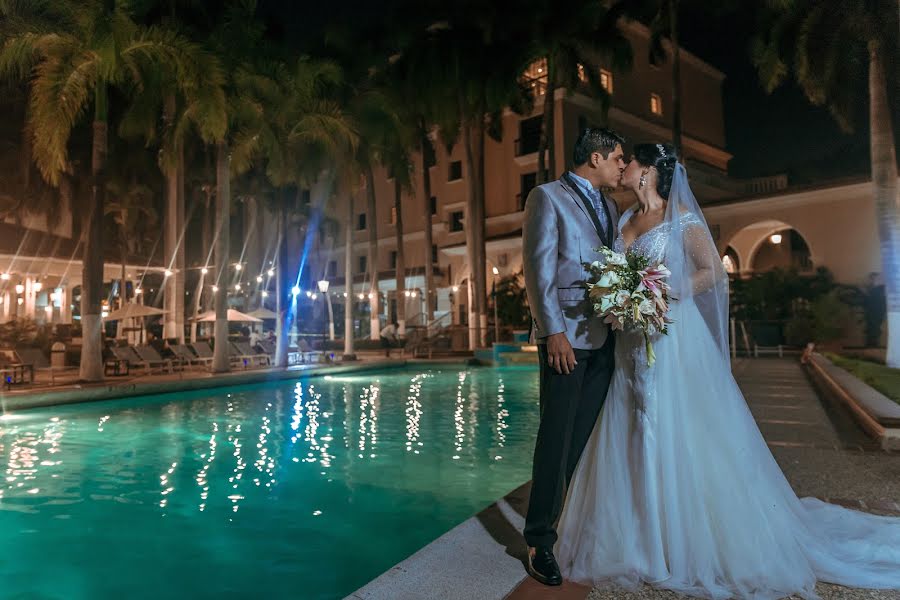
627 292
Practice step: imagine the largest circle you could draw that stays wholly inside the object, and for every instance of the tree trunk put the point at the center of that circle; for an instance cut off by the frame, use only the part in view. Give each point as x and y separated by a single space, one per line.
884 182
348 282
546 172
223 233
372 225
286 302
91 368
473 141
173 228
400 268
430 292
123 287
676 78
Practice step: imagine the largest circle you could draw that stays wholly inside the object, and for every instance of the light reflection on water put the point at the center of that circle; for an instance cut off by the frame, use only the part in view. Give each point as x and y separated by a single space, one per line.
288 483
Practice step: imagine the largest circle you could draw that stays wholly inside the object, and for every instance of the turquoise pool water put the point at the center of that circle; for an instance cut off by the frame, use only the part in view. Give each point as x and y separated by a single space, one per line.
303 489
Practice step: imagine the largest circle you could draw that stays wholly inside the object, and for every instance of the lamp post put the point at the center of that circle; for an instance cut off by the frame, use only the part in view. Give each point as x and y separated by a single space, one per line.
496 317
323 287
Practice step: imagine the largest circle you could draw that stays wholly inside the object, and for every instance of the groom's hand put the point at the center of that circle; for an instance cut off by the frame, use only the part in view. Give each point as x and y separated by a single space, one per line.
560 355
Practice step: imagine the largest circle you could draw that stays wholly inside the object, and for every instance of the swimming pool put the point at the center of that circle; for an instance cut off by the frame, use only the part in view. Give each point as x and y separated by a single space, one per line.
304 489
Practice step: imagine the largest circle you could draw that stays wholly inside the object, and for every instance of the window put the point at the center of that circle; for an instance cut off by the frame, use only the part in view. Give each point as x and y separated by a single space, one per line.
463 316
393 215
305 197
434 205
529 135
434 255
455 173
606 80
363 263
456 219
393 259
528 181
332 268
429 156
361 222
535 77
656 104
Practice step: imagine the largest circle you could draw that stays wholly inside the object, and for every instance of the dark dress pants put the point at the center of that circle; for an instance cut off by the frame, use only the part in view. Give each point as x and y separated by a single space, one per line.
570 407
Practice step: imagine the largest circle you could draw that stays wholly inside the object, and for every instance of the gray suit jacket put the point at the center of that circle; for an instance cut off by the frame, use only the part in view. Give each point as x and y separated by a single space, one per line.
558 239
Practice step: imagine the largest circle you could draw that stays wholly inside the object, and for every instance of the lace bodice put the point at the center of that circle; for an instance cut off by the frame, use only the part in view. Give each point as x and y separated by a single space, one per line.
651 243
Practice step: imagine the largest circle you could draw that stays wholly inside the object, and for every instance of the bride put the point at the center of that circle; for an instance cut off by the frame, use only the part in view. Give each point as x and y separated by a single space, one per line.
676 487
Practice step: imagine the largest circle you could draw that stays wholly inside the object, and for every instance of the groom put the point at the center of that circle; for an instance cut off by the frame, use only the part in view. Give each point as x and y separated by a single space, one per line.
564 221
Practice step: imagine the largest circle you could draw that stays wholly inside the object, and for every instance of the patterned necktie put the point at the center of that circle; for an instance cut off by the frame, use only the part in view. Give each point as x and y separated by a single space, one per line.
597 201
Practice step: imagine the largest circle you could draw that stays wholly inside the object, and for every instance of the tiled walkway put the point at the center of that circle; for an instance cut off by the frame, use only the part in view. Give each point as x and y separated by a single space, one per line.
818 446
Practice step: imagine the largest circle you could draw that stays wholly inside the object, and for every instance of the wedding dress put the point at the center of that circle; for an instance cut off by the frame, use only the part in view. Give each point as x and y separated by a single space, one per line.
677 487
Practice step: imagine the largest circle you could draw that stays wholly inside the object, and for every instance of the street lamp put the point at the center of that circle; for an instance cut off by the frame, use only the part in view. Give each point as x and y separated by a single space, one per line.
496 314
323 287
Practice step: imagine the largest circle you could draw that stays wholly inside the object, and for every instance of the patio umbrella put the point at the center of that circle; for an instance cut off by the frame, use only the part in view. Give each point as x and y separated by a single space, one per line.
233 316
263 313
133 311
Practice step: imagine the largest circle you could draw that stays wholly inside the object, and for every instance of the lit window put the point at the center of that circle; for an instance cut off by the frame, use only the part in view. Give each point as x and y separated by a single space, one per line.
728 264
535 77
655 104
582 75
606 80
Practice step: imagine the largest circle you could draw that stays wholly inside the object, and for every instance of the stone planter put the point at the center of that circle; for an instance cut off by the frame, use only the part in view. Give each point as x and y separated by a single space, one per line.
878 415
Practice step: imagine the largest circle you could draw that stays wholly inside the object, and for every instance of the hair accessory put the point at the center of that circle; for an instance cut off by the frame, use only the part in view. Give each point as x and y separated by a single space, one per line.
662 150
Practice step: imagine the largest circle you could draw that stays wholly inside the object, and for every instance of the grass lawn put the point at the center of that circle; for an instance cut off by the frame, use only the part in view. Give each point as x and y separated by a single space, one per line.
884 379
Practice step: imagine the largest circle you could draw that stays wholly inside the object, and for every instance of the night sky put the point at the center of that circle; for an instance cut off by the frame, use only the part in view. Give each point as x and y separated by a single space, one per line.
767 134
781 133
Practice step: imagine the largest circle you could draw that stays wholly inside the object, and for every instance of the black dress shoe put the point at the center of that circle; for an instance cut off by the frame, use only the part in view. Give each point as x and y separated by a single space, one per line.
542 566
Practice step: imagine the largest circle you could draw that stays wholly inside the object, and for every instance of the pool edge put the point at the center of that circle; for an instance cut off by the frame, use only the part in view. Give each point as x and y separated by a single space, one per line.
481 558
115 391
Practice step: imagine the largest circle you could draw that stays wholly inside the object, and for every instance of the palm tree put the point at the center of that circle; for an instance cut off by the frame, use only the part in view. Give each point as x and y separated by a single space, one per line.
303 135
129 206
96 47
481 90
828 46
574 38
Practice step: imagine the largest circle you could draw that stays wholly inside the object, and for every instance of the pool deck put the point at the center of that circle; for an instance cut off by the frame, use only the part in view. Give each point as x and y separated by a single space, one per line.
189 379
817 444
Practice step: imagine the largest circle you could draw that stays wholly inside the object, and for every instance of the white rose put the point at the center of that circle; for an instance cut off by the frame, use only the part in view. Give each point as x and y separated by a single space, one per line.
647 307
622 297
615 258
608 279
606 303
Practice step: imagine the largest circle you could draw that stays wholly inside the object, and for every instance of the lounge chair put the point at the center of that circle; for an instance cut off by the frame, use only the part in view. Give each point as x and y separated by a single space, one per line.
247 352
305 351
152 355
135 361
41 363
205 352
13 370
186 355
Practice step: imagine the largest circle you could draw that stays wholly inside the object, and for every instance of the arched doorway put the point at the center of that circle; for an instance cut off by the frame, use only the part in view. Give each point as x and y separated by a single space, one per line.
783 249
767 245
731 261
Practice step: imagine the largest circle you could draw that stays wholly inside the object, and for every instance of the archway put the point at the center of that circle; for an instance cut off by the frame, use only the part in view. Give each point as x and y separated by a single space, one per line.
767 245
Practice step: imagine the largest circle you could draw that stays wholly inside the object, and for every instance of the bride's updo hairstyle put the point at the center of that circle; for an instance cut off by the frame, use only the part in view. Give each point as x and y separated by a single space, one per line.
662 158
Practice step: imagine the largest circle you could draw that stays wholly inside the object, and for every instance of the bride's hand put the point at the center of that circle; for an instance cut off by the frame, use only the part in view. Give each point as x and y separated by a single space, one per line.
560 355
